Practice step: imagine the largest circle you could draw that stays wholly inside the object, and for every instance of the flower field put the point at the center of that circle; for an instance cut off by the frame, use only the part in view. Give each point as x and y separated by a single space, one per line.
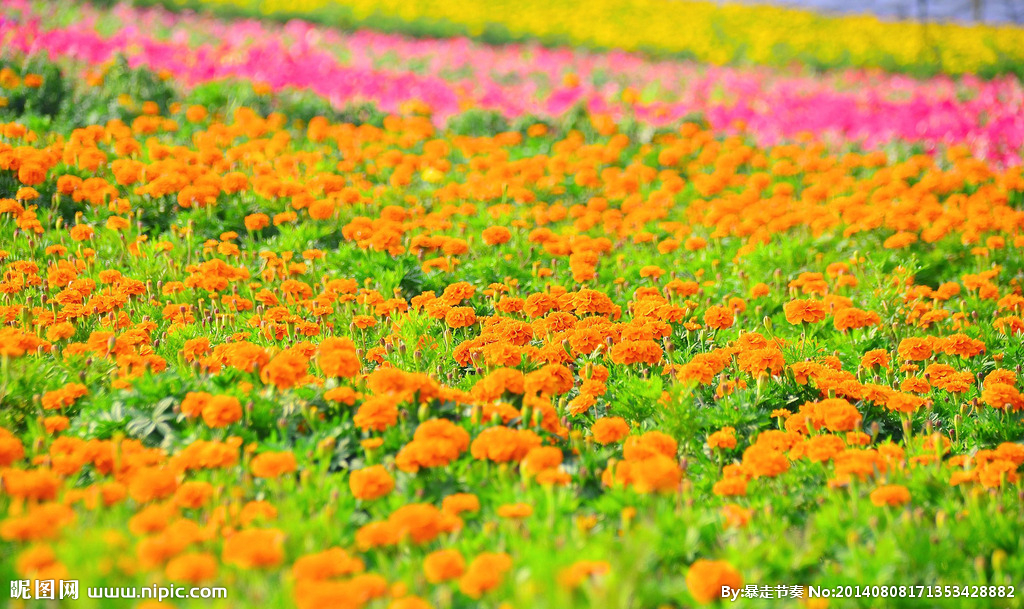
350 319
713 32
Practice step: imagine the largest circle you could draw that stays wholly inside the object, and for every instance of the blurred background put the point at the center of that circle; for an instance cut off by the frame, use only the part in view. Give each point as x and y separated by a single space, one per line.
967 11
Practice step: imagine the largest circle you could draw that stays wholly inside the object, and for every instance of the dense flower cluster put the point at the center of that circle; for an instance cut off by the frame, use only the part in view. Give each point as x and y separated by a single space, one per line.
392 365
713 32
447 77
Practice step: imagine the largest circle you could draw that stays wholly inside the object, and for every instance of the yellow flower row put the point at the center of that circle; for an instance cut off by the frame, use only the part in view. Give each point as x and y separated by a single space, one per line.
708 31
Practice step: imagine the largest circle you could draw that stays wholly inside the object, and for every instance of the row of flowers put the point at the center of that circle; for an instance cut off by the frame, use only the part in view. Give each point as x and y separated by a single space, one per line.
710 32
446 77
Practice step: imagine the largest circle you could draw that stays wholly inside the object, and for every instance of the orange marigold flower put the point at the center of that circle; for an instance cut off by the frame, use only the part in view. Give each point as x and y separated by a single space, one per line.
485 573
838 414
334 562
607 430
998 472
851 318
763 460
53 425
541 458
254 548
515 510
805 311
371 482
337 357
735 516
706 578
906 403
192 567
657 473
496 235
460 502
148 484
221 411
636 351
875 357
286 369
376 413
1002 396
759 290
915 349
255 222
891 494
502 444
724 438
342 395
273 464
718 318
193 494
460 317
443 565
194 402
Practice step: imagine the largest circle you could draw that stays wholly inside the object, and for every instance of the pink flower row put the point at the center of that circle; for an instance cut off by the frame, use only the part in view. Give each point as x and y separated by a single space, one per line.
451 75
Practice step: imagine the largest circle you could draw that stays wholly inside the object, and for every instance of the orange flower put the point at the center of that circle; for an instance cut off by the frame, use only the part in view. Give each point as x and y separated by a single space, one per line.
255 222
838 415
515 510
724 438
805 311
904 402
273 464
32 174
850 318
875 357
192 567
421 522
53 425
718 318
501 444
436 443
194 403
496 235
763 460
915 349
221 411
607 430
636 351
735 516
759 290
460 317
148 484
891 495
377 413
286 369
706 578
443 565
485 573
1002 396
254 548
460 502
541 458
998 472
333 562
337 357
657 473
82 232
193 494
371 482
